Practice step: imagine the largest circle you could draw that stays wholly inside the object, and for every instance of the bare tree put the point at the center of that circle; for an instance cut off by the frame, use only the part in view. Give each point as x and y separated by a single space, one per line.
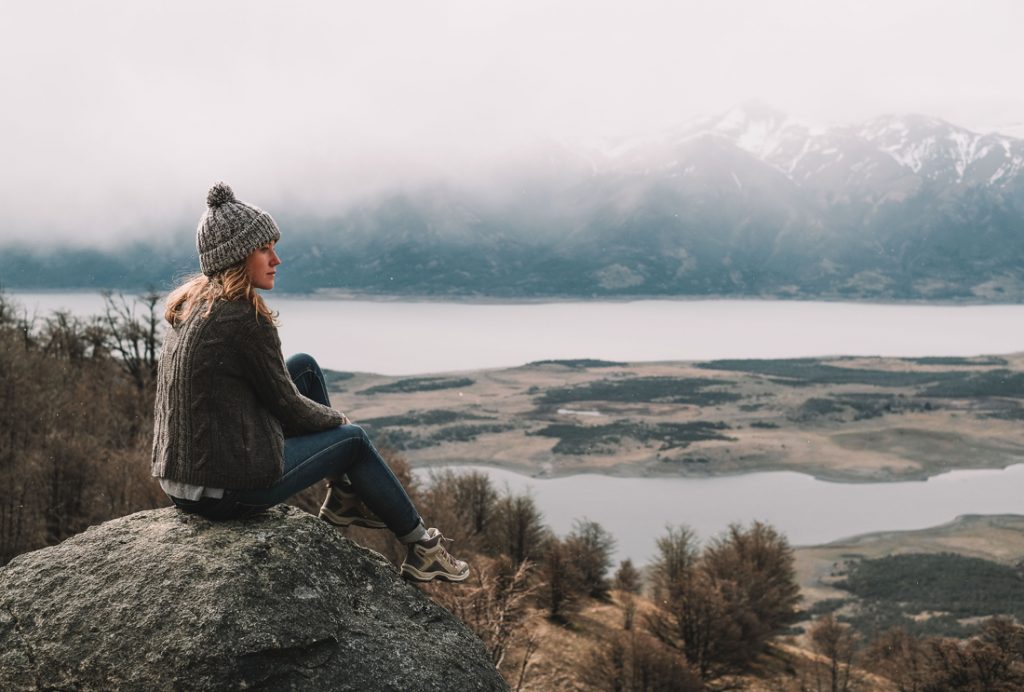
836 643
592 548
563 584
900 657
6 308
475 497
693 613
676 559
758 564
628 582
67 337
517 529
719 607
628 577
133 337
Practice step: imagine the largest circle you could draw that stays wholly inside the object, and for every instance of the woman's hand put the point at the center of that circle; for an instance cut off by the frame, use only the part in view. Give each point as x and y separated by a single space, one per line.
344 419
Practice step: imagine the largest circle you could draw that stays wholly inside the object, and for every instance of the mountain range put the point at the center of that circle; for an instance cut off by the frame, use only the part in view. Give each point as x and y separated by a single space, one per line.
747 203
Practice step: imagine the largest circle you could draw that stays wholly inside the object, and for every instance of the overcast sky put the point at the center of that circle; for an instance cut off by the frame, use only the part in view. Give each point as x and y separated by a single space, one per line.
118 115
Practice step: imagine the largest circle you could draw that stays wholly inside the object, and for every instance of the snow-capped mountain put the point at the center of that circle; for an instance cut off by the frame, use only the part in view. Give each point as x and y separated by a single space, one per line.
749 202
939 151
888 146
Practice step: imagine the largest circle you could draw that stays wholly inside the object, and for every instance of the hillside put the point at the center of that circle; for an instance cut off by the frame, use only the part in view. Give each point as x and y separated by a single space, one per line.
746 203
943 580
565 654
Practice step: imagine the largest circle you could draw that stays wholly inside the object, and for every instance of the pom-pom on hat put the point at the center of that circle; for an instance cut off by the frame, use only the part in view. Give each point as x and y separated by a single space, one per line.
229 230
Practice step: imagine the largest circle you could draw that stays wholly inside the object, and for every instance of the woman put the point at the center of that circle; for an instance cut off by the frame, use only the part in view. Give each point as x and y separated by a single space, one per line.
238 430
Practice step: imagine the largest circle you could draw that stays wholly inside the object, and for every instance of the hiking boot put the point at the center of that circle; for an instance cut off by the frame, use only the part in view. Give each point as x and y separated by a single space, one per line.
342 507
428 559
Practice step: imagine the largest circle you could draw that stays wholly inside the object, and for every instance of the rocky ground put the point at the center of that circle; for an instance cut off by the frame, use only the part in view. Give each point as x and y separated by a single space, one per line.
165 600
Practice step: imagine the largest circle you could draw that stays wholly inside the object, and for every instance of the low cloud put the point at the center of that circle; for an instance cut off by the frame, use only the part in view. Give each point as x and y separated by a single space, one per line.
118 116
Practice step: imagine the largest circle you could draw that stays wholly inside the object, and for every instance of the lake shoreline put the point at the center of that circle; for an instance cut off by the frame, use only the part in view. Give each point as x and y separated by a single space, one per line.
374 334
811 513
323 294
344 295
823 475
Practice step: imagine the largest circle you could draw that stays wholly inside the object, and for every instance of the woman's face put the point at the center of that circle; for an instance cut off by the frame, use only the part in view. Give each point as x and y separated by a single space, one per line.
260 266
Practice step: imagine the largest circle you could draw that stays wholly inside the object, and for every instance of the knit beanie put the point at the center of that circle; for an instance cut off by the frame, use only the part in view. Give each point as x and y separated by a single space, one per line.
229 230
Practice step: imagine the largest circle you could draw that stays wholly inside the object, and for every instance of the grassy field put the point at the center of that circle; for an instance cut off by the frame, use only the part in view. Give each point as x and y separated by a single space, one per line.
847 419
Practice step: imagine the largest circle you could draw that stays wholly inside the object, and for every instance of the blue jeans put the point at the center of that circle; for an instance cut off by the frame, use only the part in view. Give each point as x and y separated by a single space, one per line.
345 450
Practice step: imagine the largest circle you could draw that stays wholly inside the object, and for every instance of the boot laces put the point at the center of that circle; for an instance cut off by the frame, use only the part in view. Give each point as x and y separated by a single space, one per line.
443 554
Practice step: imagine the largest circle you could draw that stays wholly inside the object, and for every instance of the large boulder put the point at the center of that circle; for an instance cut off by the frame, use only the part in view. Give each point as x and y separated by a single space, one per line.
162 600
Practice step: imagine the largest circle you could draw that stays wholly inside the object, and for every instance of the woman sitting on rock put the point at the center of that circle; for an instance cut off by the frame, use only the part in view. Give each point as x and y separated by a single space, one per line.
237 429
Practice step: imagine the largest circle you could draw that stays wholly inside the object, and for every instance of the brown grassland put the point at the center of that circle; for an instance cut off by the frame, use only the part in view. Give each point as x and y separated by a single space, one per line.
560 418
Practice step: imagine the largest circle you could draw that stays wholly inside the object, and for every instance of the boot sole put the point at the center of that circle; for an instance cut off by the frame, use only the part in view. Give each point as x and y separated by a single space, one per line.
414 574
338 520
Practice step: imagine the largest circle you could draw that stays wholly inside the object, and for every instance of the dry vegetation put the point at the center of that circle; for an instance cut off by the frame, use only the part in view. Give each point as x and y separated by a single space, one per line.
742 612
76 404
725 616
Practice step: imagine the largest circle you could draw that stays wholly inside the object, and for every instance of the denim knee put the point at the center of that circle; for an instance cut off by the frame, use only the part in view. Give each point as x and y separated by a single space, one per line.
360 433
301 362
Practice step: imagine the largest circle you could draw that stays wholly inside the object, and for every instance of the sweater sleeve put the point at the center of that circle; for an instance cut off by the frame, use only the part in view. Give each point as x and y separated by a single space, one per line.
261 348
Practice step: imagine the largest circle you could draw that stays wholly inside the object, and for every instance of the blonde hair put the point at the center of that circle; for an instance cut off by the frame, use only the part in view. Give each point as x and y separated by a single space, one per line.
228 284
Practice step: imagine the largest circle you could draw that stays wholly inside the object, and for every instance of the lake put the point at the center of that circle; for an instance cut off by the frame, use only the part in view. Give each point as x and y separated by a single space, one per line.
808 511
407 337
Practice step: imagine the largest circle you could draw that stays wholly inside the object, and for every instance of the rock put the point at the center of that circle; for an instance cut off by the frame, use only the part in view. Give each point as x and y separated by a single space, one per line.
163 600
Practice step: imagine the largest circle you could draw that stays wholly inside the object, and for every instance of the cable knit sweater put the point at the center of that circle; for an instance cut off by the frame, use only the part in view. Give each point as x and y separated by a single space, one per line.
225 401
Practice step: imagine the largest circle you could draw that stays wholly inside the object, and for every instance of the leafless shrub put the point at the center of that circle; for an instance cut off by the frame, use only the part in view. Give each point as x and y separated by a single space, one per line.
992 661
634 662
494 603
836 643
